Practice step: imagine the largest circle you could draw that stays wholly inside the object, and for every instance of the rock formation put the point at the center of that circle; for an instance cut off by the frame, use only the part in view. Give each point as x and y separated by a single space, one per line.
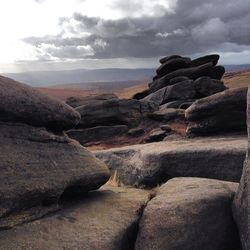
39 163
222 112
190 213
241 206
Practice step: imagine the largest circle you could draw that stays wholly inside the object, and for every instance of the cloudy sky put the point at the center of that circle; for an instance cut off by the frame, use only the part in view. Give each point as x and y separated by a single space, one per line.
68 34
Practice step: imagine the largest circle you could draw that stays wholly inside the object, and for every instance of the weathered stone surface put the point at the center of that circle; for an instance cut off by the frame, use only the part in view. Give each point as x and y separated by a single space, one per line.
221 112
205 59
177 104
167 58
205 86
22 103
151 164
76 101
179 91
165 115
105 219
172 65
156 135
97 133
190 213
37 167
215 72
114 112
178 79
241 207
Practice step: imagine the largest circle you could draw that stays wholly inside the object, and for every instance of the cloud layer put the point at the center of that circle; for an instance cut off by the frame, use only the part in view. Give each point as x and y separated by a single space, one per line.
181 27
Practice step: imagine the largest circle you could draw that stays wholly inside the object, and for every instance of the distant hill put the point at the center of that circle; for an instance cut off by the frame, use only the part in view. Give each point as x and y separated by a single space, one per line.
237 79
50 78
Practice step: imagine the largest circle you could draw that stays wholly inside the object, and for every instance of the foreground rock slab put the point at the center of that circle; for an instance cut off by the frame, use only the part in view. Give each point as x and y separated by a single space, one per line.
241 206
105 219
190 214
150 164
38 168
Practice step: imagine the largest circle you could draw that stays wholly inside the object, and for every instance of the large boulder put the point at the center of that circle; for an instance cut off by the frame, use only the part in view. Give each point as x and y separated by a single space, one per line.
75 101
205 59
179 91
205 86
151 164
221 112
190 214
215 72
241 208
172 65
105 219
22 103
114 112
98 133
38 167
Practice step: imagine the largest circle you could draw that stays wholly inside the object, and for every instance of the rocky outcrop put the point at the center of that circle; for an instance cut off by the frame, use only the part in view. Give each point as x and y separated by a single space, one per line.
222 112
74 101
114 112
172 65
97 134
241 207
151 164
22 103
190 213
107 219
37 166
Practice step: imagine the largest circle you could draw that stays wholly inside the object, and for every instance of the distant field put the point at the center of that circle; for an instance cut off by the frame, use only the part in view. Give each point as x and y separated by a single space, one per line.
237 79
126 89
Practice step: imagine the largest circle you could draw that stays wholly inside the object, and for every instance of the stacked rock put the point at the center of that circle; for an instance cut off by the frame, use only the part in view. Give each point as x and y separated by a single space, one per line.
39 163
180 81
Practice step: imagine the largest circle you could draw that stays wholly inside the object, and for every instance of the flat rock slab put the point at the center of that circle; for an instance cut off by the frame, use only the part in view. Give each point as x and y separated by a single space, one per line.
151 164
22 103
38 167
190 214
105 219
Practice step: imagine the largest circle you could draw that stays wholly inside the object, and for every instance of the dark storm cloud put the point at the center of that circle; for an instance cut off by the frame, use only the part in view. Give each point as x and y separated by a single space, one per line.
191 27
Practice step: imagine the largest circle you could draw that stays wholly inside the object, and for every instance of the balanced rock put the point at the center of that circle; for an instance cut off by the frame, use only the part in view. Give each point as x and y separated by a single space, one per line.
205 59
190 214
221 112
114 112
84 100
172 65
97 134
167 58
215 72
22 103
241 207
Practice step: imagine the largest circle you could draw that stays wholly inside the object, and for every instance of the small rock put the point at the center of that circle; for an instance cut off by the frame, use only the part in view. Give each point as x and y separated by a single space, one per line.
163 115
156 135
166 128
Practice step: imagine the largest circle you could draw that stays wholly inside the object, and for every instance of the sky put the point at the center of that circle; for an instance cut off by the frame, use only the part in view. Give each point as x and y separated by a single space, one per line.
69 34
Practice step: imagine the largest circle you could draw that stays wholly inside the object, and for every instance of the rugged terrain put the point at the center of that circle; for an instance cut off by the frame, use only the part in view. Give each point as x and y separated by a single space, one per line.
174 183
